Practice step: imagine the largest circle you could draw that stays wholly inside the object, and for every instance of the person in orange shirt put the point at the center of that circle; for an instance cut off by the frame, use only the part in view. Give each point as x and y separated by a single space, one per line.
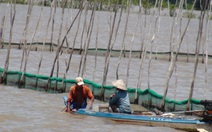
77 96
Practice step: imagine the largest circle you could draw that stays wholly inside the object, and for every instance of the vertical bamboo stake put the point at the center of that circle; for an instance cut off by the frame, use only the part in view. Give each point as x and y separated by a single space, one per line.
156 29
130 54
127 20
12 19
37 26
140 75
61 45
143 51
172 32
59 36
44 41
206 49
1 31
72 49
172 64
123 42
198 44
96 45
88 38
143 36
108 53
52 32
187 38
119 21
24 55
82 36
118 25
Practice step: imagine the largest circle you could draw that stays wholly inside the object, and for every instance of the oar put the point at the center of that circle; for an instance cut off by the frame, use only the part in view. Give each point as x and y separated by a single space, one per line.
187 112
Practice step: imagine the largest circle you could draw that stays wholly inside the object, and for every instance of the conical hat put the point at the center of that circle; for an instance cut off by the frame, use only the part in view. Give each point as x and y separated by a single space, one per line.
119 84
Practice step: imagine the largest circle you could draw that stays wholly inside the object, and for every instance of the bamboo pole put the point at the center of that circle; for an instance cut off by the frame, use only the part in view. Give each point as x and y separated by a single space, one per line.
44 41
123 41
198 44
96 45
25 54
140 73
59 37
173 58
90 29
118 25
187 37
72 50
82 37
127 20
172 64
206 49
52 29
108 53
12 19
180 33
119 21
2 31
61 45
130 54
156 30
208 2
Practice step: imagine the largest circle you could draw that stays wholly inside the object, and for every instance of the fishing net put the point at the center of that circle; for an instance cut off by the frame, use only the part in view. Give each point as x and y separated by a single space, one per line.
148 98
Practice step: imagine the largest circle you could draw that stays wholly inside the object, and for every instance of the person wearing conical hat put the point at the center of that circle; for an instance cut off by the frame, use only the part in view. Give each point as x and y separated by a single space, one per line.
120 102
77 96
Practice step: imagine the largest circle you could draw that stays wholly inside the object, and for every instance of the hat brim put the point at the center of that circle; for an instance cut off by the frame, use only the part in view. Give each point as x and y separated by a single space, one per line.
121 88
80 83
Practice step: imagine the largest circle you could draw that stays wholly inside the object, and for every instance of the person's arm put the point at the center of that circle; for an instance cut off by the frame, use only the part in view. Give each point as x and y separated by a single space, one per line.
91 103
68 107
69 99
91 97
113 99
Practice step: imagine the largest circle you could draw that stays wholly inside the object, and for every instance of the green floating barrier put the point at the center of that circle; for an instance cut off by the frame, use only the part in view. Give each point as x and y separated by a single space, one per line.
147 98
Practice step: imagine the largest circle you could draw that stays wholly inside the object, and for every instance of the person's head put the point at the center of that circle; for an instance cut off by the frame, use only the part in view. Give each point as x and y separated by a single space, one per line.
119 84
79 81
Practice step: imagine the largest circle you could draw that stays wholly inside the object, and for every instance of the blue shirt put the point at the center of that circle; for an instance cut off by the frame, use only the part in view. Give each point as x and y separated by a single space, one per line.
121 99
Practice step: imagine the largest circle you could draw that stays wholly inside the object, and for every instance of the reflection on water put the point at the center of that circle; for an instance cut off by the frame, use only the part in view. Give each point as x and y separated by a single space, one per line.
24 110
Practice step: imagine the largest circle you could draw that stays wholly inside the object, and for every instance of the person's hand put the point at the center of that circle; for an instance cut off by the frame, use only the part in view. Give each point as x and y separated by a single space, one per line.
74 110
91 107
111 96
68 110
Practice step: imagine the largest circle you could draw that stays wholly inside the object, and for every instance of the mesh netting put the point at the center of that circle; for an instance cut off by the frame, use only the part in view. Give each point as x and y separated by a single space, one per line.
148 98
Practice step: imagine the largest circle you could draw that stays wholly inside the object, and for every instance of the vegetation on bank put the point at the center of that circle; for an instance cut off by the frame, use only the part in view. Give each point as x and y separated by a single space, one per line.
145 3
112 5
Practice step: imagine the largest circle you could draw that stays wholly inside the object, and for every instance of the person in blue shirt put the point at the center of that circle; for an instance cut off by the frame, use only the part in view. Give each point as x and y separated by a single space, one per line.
120 102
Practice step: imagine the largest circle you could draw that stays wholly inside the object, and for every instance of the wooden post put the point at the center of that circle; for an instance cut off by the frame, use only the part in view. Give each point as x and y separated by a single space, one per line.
198 44
1 31
12 19
172 64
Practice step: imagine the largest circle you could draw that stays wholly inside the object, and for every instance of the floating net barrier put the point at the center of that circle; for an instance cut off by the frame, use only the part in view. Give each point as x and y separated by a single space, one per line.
147 98
162 55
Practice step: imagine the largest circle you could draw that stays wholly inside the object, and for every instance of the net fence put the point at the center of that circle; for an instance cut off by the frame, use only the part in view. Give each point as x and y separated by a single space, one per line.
148 98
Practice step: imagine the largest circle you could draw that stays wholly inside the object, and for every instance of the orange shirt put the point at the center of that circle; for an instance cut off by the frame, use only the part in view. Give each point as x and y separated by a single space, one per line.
75 93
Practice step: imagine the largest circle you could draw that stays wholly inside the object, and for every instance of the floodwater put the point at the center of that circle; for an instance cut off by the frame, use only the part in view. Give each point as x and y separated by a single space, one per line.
24 110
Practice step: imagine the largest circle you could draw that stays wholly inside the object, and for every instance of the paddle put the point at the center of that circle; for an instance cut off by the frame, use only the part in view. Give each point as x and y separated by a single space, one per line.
187 112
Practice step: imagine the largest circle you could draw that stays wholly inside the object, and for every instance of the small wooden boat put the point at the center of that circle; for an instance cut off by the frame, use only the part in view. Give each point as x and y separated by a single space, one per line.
147 120
187 123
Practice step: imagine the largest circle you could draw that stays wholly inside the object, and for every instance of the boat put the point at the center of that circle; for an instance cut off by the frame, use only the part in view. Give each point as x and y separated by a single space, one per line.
149 120
187 123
